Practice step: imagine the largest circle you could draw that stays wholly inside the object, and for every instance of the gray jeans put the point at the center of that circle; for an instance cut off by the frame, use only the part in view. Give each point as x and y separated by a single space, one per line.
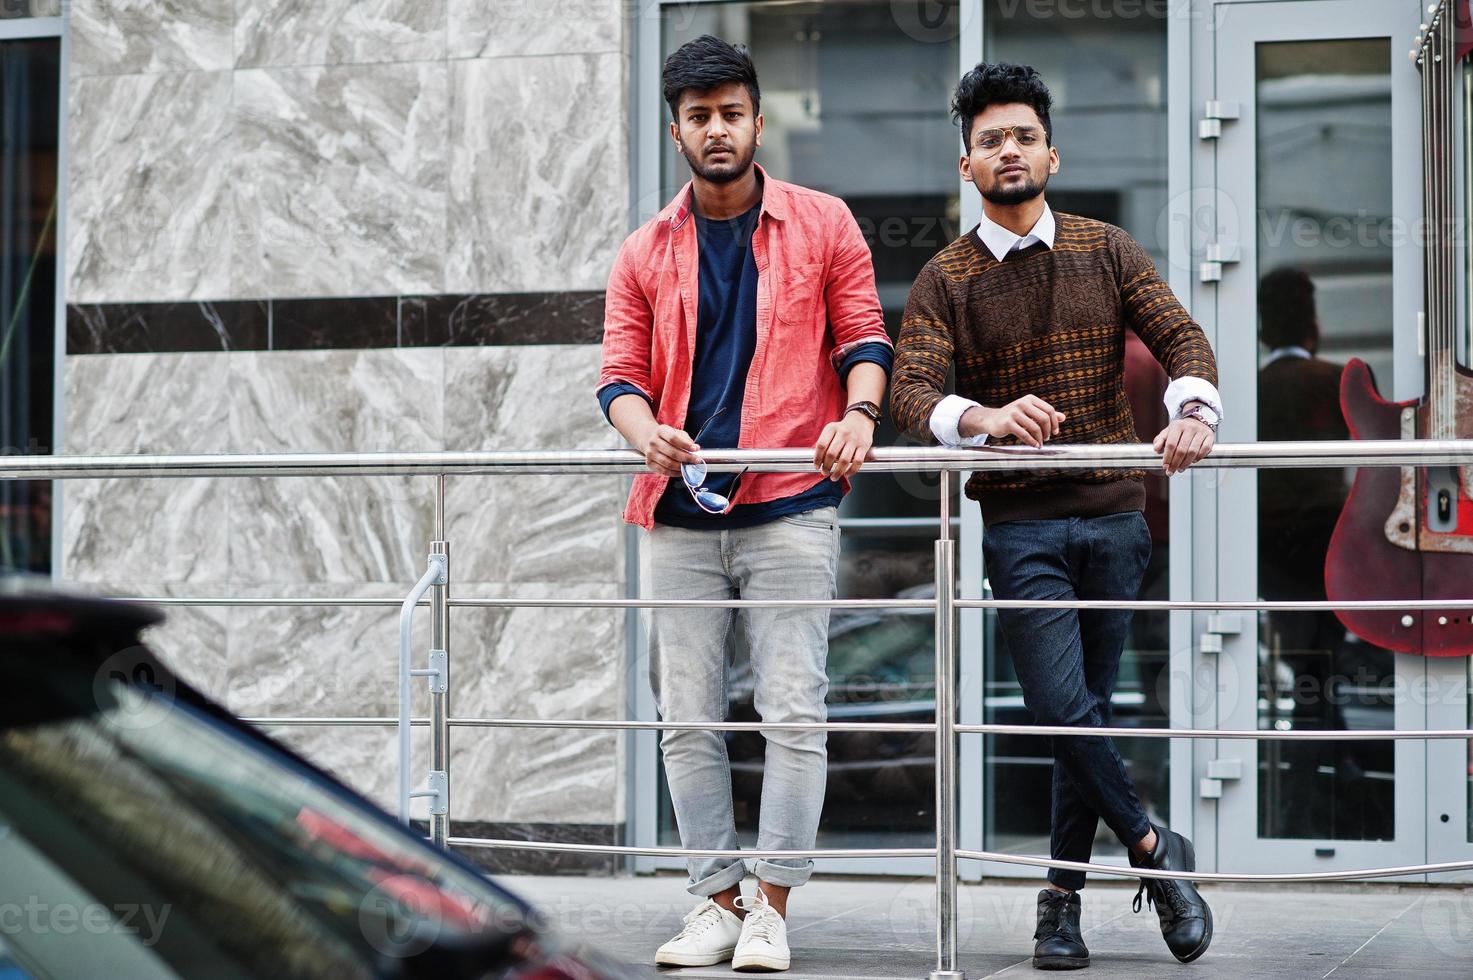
793 557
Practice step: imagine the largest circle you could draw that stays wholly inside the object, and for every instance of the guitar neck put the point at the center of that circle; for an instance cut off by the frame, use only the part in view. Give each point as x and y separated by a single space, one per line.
1435 57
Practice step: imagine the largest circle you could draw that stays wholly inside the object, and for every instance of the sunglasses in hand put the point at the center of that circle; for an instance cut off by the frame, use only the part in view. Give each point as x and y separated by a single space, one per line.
693 475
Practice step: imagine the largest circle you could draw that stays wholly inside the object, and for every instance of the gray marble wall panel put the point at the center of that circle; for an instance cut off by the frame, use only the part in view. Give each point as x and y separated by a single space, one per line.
191 640
337 32
329 662
534 27
117 37
368 537
350 529
341 180
534 205
537 663
560 528
145 530
149 209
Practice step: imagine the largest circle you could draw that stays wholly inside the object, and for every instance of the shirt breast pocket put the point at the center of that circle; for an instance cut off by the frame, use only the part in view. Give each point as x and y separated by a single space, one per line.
799 289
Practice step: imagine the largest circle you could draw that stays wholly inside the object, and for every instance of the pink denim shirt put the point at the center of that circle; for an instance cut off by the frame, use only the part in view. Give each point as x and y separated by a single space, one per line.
816 302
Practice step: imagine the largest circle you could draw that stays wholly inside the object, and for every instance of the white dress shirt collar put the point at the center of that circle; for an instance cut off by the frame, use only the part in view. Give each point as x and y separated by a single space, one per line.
1292 350
1000 241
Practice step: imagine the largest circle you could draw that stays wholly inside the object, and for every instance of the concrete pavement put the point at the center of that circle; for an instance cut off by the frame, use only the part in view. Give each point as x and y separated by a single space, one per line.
864 928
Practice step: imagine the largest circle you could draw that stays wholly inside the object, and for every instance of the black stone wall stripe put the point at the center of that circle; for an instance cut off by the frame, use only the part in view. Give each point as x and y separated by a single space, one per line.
334 324
136 328
497 319
347 323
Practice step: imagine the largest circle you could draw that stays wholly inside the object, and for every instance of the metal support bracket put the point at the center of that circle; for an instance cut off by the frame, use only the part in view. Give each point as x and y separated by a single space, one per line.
441 564
438 793
438 672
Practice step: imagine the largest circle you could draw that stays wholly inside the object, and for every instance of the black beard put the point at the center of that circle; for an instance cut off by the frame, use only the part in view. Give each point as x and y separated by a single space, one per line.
723 173
1015 194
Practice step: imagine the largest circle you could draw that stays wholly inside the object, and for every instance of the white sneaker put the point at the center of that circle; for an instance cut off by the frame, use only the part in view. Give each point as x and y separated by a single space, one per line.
763 946
709 937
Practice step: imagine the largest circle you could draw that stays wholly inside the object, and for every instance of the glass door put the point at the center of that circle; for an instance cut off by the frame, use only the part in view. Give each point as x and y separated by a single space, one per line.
1322 166
1450 763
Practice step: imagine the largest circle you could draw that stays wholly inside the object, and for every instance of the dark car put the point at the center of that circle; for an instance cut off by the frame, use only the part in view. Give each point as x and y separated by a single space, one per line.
146 832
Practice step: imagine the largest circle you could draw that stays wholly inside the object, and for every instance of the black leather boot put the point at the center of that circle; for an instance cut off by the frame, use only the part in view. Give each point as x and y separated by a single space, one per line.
1186 921
1058 944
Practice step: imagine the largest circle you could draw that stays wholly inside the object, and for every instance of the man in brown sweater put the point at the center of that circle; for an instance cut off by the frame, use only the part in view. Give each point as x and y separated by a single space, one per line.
1032 308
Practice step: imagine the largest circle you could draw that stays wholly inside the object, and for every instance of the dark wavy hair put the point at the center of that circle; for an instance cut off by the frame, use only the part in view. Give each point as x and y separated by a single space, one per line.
704 64
1286 308
1000 84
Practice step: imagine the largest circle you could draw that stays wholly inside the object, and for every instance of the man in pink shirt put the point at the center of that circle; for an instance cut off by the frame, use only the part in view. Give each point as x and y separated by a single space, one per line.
744 315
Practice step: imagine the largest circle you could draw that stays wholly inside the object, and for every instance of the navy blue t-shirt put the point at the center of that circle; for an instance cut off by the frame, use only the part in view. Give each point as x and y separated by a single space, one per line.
726 339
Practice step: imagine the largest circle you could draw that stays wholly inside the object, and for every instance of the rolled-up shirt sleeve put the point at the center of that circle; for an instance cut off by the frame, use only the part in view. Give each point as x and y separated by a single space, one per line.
1190 388
946 420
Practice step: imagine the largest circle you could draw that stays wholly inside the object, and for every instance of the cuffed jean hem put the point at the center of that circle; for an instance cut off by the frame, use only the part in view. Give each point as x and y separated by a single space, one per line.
784 874
1074 880
719 881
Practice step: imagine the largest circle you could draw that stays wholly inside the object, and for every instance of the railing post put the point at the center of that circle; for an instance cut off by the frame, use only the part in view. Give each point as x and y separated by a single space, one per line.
945 743
440 695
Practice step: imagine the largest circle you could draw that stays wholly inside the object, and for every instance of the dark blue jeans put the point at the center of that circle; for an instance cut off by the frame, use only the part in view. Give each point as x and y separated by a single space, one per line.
1067 661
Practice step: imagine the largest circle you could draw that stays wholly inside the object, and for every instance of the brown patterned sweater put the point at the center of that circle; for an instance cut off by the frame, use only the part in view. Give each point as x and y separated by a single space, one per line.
1047 322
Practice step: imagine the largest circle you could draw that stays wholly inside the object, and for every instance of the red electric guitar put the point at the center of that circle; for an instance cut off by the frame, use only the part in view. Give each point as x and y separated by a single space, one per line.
1408 534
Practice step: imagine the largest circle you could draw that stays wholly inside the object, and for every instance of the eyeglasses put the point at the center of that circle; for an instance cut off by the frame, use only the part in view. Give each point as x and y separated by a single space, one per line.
693 475
990 141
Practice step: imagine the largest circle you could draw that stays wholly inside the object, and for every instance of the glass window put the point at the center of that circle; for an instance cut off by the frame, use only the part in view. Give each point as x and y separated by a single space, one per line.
1324 252
28 161
1108 79
882 140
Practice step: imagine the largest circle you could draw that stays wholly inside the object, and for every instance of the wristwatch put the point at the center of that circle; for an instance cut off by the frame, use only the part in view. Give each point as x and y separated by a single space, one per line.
870 409
1204 414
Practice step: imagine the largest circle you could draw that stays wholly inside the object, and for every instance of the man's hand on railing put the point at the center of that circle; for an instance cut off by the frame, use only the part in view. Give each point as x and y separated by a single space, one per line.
1030 419
665 447
843 446
1183 443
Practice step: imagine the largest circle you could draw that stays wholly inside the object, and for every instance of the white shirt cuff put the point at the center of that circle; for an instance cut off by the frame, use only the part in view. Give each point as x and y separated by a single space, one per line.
945 418
1187 389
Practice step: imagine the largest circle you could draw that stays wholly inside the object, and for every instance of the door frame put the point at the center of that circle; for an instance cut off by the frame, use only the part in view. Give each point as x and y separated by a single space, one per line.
1240 849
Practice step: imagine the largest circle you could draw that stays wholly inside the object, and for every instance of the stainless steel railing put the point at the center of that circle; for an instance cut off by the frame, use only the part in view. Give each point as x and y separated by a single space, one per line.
436 582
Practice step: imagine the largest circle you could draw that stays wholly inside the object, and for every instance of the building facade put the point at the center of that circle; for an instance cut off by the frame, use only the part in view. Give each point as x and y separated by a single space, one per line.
337 226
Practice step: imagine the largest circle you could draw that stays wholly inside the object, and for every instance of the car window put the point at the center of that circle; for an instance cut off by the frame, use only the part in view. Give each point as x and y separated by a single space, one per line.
224 859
